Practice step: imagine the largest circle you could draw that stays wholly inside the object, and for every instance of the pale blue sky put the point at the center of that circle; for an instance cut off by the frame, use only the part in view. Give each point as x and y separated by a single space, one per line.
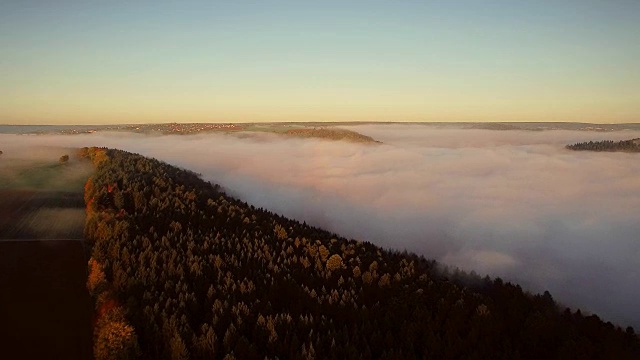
184 61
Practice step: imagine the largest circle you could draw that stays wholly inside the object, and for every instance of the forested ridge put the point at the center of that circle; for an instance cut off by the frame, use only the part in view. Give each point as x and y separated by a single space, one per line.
180 270
632 145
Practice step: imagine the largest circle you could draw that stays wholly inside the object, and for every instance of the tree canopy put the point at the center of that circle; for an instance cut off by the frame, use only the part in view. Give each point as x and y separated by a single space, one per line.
607 145
181 270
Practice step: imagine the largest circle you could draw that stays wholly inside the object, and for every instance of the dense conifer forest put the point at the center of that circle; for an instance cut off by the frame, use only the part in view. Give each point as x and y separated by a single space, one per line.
632 145
180 270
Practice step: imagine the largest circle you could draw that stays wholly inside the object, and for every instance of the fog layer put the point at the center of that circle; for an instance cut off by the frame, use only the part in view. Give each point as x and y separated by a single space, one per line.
513 204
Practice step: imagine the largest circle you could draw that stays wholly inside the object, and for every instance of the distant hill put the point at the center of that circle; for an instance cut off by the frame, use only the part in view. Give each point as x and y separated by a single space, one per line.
632 145
182 270
284 127
331 134
305 131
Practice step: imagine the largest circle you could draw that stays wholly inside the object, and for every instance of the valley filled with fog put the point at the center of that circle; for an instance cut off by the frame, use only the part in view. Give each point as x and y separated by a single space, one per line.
514 204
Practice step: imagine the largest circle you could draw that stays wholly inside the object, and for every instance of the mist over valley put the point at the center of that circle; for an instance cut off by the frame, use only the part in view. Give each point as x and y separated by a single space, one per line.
514 204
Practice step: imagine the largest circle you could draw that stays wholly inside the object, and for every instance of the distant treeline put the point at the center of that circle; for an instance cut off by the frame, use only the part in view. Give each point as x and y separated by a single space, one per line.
180 270
607 145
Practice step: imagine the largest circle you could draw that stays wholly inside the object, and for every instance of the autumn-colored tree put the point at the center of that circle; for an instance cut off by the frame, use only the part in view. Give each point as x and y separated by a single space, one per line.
89 191
95 154
96 281
356 272
205 344
178 348
280 232
385 280
334 262
324 253
114 338
367 278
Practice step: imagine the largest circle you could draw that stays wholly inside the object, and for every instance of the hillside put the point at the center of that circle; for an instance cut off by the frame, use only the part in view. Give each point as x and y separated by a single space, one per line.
331 134
182 270
632 145
321 131
299 130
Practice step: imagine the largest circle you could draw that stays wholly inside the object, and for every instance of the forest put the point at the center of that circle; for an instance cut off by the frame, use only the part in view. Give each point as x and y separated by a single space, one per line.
632 145
181 270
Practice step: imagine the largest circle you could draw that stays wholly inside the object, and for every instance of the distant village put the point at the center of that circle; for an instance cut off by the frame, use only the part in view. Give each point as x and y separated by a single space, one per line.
170 128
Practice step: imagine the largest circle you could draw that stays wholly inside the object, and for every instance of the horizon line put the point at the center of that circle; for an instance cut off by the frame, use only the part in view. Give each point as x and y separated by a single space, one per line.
332 122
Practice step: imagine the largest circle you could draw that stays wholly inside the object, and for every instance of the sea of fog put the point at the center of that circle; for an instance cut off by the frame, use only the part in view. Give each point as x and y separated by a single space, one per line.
513 204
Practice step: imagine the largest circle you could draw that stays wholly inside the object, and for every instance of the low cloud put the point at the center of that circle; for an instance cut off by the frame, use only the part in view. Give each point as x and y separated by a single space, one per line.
513 204
482 261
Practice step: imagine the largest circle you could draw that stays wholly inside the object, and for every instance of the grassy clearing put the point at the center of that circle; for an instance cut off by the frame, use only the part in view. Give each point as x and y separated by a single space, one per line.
45 310
28 214
43 175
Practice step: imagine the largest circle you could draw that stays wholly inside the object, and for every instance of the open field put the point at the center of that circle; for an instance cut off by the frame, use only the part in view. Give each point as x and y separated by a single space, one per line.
45 310
28 214
41 198
43 300
41 173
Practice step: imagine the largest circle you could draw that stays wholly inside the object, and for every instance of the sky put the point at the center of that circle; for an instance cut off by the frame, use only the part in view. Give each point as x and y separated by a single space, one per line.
96 62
